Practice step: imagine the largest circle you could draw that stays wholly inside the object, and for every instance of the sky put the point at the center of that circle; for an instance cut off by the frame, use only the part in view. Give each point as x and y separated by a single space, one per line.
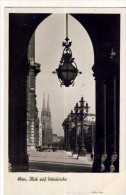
49 36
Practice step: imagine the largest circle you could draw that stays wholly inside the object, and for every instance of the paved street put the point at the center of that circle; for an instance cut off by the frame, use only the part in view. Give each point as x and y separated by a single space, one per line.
58 161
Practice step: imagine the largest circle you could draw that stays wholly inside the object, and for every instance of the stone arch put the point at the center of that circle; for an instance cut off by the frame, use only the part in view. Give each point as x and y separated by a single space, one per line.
105 37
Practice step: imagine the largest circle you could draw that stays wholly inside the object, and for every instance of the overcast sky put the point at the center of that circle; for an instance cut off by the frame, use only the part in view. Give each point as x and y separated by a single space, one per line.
49 36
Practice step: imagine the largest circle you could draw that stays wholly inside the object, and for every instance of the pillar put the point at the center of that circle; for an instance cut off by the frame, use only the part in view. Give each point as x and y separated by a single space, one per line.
18 70
112 164
68 140
106 158
76 148
32 113
114 150
100 143
65 138
21 27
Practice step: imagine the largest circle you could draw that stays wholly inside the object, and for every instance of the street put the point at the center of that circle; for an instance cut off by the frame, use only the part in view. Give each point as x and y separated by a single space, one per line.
58 161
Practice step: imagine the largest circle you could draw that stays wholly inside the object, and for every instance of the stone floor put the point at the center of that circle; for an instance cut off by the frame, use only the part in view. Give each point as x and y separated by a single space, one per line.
59 161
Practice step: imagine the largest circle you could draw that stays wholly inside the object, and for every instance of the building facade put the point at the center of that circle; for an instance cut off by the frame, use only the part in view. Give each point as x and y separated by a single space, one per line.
73 136
32 111
46 124
55 138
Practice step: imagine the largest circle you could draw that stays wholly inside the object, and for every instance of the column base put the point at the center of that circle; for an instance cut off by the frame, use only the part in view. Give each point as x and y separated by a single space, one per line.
76 150
85 159
69 153
68 149
75 156
31 149
113 159
18 163
99 163
112 163
83 152
92 156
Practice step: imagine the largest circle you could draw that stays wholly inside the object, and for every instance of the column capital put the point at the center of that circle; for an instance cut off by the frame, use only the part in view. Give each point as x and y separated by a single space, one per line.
106 66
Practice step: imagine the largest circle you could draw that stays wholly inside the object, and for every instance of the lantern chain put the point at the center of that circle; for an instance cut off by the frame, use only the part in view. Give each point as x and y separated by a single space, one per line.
66 25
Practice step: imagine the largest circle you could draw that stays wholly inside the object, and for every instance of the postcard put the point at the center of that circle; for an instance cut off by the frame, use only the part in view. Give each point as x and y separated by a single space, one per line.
64 99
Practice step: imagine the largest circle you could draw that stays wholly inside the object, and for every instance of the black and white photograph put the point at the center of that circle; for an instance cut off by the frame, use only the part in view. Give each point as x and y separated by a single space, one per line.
64 100
64 92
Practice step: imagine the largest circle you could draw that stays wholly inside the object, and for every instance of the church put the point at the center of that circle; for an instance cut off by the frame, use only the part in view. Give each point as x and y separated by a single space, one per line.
46 124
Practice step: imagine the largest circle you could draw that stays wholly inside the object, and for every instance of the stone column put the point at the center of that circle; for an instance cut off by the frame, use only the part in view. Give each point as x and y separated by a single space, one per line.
32 115
18 159
112 163
21 27
76 148
31 145
100 143
107 115
82 146
18 70
68 140
114 152
92 139
104 153
32 109
65 138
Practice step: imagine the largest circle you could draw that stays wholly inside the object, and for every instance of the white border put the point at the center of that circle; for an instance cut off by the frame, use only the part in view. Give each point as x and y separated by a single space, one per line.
64 3
113 183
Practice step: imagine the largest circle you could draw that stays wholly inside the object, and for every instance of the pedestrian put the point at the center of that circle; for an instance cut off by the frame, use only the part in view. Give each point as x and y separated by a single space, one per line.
92 156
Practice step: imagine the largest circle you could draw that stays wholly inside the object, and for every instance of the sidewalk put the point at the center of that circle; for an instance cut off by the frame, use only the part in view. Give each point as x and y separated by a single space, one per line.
58 161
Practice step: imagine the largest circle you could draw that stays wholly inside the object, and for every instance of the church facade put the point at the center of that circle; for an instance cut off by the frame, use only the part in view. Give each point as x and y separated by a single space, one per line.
46 124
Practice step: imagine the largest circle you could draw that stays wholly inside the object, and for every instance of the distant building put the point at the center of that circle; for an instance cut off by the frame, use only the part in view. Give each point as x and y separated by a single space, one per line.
71 132
55 138
61 137
40 134
46 123
91 117
88 121
32 111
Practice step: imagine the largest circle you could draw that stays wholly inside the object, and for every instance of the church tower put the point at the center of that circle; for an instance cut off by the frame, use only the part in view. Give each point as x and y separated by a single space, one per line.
46 124
43 114
49 122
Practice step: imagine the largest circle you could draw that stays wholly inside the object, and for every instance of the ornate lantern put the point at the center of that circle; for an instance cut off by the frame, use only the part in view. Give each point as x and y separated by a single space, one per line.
67 70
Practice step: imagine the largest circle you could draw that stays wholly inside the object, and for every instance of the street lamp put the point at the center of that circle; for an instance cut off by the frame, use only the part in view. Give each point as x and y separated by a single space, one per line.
82 115
65 125
92 151
67 70
75 120
65 133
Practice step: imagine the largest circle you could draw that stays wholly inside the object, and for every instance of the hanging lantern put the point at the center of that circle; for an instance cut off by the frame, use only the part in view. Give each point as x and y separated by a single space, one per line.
67 70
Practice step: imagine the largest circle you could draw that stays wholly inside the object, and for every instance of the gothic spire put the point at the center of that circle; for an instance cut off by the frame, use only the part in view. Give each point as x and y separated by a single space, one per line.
43 106
43 113
48 107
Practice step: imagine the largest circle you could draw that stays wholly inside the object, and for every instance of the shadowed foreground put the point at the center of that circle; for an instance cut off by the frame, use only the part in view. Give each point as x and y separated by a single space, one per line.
58 162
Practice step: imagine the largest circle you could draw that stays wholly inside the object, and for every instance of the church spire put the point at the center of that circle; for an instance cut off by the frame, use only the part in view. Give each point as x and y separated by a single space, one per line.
43 106
48 107
43 113
46 124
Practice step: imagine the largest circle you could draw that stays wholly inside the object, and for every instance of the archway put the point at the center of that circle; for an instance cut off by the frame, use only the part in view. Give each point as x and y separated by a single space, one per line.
105 39
51 35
